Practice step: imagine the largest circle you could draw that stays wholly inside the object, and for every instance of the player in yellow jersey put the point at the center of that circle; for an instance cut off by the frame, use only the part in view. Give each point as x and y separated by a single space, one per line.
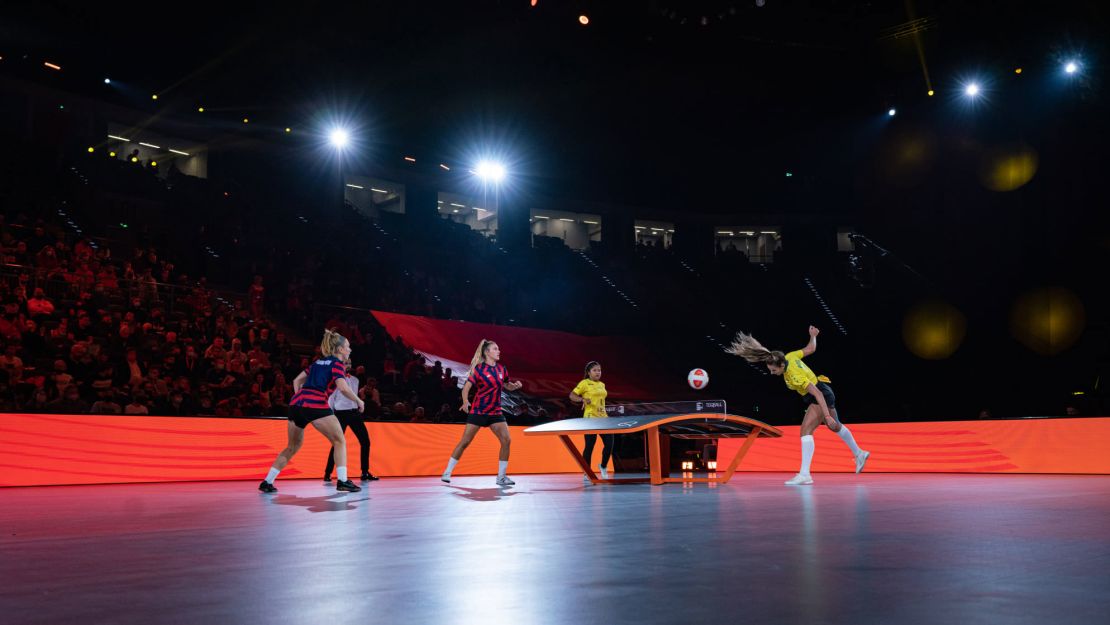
815 390
591 393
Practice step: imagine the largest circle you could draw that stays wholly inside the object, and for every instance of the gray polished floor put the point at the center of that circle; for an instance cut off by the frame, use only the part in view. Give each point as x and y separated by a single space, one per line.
850 549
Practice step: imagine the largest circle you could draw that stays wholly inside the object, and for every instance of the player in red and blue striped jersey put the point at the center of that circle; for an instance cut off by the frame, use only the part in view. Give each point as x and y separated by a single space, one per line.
489 378
312 388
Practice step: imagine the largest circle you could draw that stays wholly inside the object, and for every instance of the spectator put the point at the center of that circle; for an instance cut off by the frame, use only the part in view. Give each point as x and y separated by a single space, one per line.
39 306
69 403
12 363
105 404
137 405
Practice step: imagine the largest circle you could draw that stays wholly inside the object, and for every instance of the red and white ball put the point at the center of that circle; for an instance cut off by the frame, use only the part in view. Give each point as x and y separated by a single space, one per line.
698 379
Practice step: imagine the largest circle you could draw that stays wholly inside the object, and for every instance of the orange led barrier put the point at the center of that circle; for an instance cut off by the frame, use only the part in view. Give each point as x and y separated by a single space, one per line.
76 449
1016 446
79 449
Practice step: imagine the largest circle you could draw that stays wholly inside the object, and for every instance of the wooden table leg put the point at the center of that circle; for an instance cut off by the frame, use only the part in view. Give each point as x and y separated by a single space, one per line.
578 458
655 461
740 455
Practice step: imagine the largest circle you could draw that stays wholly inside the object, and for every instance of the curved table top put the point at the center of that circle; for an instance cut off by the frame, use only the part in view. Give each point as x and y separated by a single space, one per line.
686 426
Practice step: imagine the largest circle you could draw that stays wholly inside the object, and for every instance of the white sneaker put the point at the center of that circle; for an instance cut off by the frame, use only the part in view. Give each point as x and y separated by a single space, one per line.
799 480
604 473
861 460
505 481
446 477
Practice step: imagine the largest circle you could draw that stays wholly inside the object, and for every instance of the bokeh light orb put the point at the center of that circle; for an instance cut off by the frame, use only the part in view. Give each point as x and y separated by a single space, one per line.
1008 169
1048 320
934 329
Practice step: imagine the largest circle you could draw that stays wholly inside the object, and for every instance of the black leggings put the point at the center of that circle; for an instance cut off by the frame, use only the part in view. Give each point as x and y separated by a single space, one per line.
608 441
352 419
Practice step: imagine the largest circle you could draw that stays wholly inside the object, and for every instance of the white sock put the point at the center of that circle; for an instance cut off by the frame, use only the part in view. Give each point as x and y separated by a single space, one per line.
341 474
272 475
451 462
502 466
846 435
807 453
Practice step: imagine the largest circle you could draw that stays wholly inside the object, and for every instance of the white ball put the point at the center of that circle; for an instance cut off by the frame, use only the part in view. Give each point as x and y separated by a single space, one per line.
698 379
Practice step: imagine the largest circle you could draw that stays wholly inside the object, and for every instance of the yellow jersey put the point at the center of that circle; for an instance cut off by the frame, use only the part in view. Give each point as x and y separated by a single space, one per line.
798 376
596 393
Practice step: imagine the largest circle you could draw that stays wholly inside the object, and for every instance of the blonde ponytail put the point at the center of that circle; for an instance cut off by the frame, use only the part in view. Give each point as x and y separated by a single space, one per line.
746 347
332 341
480 353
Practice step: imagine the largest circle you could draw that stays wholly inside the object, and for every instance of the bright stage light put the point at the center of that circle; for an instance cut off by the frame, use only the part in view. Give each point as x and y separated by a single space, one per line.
1071 67
339 138
891 112
490 171
107 81
972 89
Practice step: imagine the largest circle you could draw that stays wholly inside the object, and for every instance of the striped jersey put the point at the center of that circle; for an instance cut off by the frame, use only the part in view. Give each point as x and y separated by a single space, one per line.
320 384
489 380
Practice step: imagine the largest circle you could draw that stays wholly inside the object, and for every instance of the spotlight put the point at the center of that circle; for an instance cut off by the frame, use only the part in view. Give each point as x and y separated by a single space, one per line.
288 130
200 109
972 89
246 120
891 112
107 81
91 150
154 97
931 93
583 20
1071 67
1017 70
490 171
339 138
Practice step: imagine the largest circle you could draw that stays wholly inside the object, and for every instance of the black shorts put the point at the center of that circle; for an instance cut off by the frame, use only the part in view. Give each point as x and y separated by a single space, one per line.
484 420
826 390
301 416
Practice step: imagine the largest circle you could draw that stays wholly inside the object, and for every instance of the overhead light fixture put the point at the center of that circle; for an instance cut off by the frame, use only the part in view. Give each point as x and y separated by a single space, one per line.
565 219
459 205
179 152
118 138
542 217
53 66
410 159
378 190
200 109
444 167
354 186
150 145
587 221
107 81
728 232
154 96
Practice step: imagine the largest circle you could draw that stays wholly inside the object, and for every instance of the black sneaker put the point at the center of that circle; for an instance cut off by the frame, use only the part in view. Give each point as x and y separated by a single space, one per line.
369 477
327 479
347 486
267 487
